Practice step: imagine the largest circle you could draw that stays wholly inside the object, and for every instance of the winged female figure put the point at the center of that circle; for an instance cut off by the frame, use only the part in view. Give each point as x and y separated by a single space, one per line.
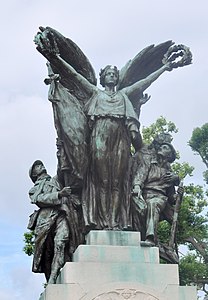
97 126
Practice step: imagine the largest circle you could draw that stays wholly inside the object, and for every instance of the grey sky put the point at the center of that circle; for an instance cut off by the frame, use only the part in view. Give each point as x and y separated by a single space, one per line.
110 32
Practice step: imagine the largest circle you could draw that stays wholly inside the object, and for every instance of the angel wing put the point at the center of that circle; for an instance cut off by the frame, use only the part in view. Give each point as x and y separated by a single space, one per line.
149 60
143 64
70 53
67 97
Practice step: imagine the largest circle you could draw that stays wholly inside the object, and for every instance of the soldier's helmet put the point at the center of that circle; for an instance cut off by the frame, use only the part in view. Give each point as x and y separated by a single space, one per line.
33 176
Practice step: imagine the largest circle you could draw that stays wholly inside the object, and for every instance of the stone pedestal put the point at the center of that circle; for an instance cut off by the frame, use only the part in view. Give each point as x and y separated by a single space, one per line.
113 266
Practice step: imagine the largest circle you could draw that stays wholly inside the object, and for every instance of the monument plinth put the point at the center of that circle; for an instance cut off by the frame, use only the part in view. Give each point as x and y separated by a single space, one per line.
117 268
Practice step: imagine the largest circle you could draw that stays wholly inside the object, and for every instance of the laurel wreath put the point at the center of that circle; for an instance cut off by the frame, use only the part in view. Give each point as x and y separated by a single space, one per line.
46 42
176 51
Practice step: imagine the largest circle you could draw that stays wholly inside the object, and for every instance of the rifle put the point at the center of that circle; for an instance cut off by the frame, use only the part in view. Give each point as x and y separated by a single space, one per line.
179 198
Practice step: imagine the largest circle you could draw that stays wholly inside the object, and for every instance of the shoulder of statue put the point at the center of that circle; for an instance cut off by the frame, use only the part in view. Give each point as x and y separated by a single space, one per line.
54 182
39 184
96 92
42 179
92 99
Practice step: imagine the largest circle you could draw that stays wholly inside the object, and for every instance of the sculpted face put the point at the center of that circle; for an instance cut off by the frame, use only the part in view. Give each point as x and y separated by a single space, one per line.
39 169
165 150
111 77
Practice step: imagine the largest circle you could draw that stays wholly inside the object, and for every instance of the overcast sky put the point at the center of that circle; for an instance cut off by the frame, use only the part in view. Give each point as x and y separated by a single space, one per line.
108 32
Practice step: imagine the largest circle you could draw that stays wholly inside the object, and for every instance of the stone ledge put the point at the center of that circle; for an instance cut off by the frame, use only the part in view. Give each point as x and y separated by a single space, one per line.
173 292
117 290
114 238
92 273
103 253
62 292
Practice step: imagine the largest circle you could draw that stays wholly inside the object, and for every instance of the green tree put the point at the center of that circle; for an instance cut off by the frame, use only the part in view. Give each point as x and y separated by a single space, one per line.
199 142
199 145
29 243
161 125
193 271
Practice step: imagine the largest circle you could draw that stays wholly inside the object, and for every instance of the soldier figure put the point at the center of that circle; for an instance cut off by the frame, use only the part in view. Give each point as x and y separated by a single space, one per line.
154 186
49 223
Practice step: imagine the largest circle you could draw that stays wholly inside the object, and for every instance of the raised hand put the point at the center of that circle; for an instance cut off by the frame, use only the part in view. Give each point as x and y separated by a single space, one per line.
45 41
177 56
170 177
144 99
65 192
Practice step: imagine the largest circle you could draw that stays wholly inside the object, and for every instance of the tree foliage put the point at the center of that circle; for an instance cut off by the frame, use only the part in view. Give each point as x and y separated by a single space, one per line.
192 222
29 243
161 125
193 271
199 142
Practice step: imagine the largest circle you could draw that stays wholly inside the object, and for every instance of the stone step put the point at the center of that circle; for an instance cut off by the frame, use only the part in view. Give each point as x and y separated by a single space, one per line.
88 274
114 238
103 253
121 290
173 292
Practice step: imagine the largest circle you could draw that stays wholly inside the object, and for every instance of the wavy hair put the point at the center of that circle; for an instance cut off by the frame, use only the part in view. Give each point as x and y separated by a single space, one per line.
104 71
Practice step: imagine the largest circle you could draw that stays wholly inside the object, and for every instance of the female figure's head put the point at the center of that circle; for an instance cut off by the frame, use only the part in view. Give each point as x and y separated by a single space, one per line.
109 76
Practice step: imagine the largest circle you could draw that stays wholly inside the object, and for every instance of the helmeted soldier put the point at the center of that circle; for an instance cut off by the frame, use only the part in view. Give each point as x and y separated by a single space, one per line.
154 186
49 223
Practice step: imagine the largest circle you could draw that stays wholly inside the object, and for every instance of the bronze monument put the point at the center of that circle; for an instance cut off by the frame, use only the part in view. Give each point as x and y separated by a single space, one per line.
101 157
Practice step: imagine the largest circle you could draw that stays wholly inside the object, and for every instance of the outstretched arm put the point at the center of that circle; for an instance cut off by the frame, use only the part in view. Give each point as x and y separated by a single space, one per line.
69 70
170 60
46 45
143 84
